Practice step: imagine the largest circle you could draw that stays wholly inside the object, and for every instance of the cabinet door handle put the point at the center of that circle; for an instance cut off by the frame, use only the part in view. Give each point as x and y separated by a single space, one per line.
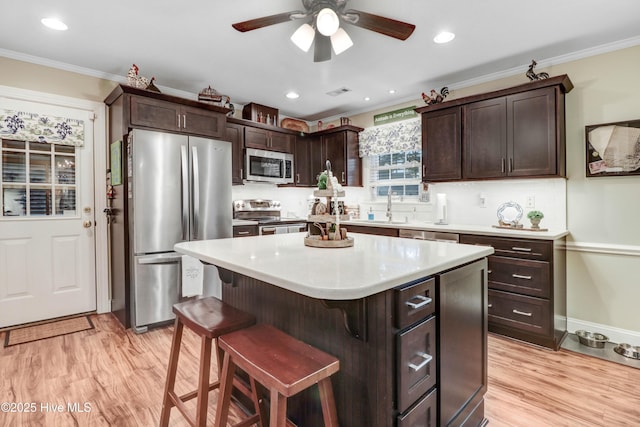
489 271
427 358
178 121
423 301
511 164
184 121
342 176
516 248
490 305
520 276
298 178
502 165
424 170
522 313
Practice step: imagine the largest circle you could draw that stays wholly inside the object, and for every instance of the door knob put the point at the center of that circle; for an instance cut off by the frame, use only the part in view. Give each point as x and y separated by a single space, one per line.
87 224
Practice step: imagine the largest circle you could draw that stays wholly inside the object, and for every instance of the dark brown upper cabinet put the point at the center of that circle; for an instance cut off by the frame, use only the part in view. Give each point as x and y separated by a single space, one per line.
272 140
441 145
339 145
304 176
235 135
138 108
516 132
513 136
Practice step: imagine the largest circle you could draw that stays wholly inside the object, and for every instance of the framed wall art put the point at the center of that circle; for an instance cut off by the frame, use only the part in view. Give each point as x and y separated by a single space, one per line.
613 149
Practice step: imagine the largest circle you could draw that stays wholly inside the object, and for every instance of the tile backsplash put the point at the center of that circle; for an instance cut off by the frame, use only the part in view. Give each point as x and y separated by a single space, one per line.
468 203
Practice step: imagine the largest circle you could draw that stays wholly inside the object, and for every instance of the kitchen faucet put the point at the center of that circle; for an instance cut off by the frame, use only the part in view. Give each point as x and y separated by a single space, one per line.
389 215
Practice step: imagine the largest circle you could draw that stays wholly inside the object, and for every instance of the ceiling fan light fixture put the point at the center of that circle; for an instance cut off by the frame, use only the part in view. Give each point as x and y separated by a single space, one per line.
444 37
54 24
327 22
340 41
303 37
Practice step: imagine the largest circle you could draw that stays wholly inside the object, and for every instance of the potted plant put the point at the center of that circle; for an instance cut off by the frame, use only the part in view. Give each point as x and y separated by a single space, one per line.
535 217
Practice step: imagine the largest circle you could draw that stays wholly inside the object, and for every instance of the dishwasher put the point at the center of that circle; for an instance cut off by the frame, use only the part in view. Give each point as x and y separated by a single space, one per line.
436 236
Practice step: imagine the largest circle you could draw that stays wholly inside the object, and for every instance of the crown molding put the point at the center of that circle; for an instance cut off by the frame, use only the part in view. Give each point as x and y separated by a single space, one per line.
86 71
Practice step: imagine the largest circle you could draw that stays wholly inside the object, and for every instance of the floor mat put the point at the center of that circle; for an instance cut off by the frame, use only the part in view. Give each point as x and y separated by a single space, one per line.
47 330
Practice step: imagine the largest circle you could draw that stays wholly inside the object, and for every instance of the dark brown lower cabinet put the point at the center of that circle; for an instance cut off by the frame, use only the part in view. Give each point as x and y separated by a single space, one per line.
423 414
245 230
413 356
527 288
462 344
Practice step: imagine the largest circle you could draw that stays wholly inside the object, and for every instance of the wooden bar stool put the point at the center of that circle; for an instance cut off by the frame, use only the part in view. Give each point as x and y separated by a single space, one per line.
209 318
281 363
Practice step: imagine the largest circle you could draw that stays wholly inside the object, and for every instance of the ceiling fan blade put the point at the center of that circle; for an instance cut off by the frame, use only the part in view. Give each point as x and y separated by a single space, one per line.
387 26
321 48
265 21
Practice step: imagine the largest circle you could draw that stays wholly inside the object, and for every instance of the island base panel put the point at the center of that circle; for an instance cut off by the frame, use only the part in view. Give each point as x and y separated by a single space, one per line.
363 387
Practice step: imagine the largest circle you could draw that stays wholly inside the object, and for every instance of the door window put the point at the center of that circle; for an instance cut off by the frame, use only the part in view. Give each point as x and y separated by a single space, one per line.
38 179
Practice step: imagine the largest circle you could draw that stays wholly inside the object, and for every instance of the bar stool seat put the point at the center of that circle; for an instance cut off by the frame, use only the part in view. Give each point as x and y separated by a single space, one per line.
209 318
282 364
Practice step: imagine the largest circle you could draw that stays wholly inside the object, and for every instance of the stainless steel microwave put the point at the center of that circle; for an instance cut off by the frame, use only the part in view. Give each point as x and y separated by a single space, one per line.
268 166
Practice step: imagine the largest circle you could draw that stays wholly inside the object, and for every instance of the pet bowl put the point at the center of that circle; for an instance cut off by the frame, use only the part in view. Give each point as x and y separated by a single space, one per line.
592 339
627 350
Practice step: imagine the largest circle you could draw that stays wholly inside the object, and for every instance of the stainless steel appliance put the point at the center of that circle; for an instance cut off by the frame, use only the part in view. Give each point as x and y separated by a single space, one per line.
437 236
268 166
268 215
180 190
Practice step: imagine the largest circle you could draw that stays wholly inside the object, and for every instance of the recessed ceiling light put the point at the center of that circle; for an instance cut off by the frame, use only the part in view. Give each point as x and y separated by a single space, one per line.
54 24
292 95
392 91
444 37
366 98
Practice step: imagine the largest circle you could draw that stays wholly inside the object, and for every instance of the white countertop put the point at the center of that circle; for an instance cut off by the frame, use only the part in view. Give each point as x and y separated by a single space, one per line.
244 222
374 263
485 230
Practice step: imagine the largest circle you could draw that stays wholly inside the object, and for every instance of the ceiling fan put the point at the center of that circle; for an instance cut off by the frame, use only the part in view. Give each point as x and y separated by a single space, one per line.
322 24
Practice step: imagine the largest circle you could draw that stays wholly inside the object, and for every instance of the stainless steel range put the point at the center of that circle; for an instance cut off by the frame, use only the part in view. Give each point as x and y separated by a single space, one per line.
267 213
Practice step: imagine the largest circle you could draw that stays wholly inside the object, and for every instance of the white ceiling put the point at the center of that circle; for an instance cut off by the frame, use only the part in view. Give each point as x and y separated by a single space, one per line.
189 45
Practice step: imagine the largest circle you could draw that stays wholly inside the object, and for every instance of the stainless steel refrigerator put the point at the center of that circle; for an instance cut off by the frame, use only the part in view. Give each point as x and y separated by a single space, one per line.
179 190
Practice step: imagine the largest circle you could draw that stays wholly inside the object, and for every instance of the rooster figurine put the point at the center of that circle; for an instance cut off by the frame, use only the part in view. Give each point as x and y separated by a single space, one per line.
532 74
434 97
133 79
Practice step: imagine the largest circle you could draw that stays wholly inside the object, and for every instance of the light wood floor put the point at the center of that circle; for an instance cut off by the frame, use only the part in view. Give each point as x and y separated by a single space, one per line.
121 376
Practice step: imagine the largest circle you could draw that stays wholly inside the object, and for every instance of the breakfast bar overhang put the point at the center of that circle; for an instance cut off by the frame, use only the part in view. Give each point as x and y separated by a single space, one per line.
406 318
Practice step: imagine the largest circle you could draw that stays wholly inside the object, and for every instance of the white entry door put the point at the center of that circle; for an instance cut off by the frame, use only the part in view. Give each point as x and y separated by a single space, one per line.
47 233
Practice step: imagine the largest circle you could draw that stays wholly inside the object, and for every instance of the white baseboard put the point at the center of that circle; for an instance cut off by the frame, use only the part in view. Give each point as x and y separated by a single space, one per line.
615 335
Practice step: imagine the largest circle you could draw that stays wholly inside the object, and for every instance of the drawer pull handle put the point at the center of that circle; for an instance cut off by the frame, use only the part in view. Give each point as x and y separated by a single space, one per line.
522 313
242 233
515 248
427 358
520 276
424 301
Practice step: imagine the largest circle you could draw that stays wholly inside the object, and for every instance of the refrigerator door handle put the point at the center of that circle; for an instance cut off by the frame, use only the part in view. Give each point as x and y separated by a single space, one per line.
185 192
196 193
160 259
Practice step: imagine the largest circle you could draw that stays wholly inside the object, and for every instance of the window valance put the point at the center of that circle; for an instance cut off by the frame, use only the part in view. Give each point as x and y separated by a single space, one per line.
34 127
391 138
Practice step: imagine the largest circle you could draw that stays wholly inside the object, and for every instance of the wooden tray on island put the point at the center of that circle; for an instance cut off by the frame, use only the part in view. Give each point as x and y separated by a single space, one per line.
316 242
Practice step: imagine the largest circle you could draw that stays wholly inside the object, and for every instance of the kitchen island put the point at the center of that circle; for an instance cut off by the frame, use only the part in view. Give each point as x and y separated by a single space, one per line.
406 318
